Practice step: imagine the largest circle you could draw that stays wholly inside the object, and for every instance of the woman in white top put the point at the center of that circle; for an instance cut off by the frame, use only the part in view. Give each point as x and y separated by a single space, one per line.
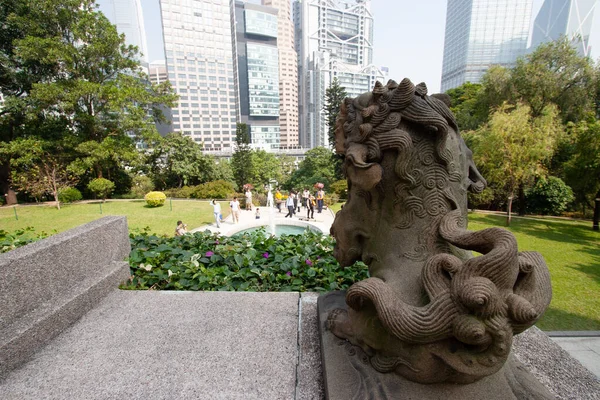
216 212
235 210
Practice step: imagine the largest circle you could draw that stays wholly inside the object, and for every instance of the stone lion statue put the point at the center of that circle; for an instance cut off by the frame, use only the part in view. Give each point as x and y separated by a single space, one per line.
430 311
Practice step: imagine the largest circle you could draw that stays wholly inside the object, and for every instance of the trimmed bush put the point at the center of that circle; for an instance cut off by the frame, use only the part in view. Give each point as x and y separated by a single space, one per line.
549 196
340 188
155 199
214 190
101 187
186 192
330 199
69 195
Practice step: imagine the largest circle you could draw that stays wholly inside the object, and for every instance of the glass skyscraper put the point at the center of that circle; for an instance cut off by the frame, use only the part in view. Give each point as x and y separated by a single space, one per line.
257 61
199 58
129 20
571 18
482 33
334 39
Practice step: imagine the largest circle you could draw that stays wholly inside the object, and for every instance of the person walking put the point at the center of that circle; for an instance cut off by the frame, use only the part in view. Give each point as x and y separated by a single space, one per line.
320 197
296 206
235 210
248 195
217 212
310 207
290 205
305 196
278 199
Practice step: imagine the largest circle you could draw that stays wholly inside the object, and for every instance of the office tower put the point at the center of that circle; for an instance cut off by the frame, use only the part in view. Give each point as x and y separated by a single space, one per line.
571 18
198 48
334 39
157 74
127 16
481 33
288 73
257 61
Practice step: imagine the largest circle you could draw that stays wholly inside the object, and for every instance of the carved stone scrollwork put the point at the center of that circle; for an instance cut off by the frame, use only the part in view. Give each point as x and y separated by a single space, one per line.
430 312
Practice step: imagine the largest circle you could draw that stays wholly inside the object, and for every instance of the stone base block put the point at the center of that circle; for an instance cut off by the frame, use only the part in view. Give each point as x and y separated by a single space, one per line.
349 375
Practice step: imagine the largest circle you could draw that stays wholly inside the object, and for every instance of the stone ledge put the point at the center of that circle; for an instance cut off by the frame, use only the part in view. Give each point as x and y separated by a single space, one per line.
48 285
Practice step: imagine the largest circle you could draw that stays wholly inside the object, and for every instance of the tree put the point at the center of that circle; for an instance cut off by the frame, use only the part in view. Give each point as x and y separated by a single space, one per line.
178 160
38 167
583 169
67 73
334 97
265 166
466 106
242 157
555 74
513 146
101 188
316 167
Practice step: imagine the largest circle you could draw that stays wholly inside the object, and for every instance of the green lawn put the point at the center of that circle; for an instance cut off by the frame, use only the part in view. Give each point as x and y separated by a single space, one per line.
572 252
161 220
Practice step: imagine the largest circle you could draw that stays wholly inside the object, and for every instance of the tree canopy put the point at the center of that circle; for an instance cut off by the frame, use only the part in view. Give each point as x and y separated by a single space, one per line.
68 76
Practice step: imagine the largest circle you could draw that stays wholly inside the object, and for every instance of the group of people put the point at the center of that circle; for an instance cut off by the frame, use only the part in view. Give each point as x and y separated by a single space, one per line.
294 202
308 200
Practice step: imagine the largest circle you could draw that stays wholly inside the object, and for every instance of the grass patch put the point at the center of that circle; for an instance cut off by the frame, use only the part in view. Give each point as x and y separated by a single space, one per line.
572 251
160 220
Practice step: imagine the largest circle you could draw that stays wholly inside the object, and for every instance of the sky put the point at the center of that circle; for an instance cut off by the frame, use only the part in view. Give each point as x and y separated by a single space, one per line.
408 37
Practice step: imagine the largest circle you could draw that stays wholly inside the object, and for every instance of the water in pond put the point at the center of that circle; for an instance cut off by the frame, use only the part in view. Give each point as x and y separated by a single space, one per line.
279 230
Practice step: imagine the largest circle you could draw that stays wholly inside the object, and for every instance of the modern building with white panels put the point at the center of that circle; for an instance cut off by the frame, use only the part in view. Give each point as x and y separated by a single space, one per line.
571 18
199 58
482 33
334 38
257 60
129 20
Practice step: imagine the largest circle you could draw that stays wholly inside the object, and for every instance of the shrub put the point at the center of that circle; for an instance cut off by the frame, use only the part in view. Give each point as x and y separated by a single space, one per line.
214 190
69 195
155 199
340 188
185 192
330 199
18 238
249 262
549 196
101 187
141 185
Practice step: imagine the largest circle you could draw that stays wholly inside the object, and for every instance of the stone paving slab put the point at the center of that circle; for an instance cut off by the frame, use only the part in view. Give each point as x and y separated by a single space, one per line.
170 345
585 349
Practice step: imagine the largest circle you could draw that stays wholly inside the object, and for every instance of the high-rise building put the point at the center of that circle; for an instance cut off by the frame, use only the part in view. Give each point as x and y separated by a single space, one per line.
257 61
157 74
157 71
288 73
199 52
482 33
571 18
129 20
334 39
